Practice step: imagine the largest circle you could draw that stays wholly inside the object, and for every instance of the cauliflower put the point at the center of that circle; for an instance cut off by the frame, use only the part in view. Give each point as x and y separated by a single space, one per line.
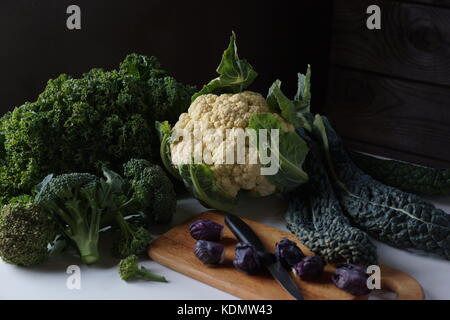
197 149
221 112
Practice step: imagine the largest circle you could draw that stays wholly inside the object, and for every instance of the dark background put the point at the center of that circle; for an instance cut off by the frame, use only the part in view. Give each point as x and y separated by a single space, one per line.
386 91
279 38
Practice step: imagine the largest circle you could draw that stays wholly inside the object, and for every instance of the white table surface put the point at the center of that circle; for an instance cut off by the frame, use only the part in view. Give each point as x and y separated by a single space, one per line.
48 281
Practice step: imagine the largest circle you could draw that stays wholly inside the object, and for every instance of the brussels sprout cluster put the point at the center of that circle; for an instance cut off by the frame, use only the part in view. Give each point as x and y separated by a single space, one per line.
350 278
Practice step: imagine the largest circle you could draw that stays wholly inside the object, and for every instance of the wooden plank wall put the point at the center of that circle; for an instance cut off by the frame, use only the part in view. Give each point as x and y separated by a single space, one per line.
389 89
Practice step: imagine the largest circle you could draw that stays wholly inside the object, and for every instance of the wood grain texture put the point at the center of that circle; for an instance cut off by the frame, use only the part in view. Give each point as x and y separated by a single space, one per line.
436 3
412 118
385 151
413 43
174 249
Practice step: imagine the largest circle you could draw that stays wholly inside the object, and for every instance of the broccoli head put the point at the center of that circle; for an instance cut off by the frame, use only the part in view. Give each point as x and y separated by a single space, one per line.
130 239
145 191
26 232
74 202
130 270
153 189
130 236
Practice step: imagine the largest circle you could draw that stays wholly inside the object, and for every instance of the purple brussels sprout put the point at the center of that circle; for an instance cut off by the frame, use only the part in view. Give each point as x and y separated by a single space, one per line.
309 268
246 258
352 279
209 252
288 253
206 230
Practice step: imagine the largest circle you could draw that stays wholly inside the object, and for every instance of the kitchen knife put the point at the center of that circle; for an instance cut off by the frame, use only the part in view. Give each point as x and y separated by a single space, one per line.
244 233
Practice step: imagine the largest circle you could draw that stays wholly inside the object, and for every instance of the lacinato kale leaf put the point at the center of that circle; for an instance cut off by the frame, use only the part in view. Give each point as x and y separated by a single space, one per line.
405 176
234 74
315 216
388 214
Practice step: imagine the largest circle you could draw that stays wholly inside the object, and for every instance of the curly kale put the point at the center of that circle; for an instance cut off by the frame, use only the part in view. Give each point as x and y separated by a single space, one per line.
405 176
26 232
129 269
153 189
388 214
315 216
102 119
74 201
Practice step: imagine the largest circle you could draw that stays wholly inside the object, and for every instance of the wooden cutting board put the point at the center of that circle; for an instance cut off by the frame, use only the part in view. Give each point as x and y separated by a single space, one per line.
174 249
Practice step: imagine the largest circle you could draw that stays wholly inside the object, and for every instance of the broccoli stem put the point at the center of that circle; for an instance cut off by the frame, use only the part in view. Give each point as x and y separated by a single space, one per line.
86 238
88 247
90 258
123 225
144 273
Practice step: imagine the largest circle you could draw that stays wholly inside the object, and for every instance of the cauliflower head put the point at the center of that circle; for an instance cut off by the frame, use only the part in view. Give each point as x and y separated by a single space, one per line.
219 113
211 150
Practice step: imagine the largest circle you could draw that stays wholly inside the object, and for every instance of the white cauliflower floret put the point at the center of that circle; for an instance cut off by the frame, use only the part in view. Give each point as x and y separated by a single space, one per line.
227 111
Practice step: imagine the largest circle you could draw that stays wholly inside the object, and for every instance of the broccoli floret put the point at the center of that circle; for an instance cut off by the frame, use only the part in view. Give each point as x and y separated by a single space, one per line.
153 189
74 200
145 190
130 239
26 233
129 270
24 199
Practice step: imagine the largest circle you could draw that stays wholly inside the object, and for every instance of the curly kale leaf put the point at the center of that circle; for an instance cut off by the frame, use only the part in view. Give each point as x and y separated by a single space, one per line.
102 119
388 214
405 176
315 216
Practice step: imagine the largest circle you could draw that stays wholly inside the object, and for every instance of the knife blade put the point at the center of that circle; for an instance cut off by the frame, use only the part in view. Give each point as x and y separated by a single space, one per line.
244 233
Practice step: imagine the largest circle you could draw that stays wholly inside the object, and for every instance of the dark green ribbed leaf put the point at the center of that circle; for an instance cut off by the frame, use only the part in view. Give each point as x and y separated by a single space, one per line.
388 214
405 176
315 216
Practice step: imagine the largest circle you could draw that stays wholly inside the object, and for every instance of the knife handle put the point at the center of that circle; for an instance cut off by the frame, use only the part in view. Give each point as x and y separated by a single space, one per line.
243 232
